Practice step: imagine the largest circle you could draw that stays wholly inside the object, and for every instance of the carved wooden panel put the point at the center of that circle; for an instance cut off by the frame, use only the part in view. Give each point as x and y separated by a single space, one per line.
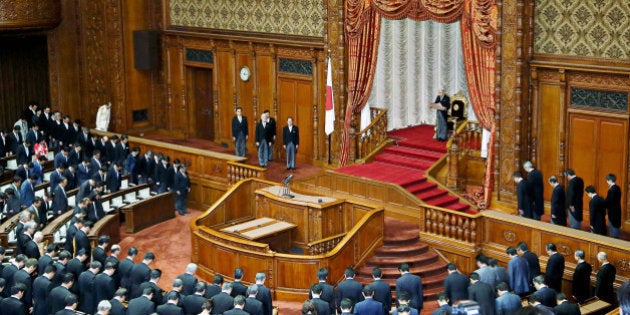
22 15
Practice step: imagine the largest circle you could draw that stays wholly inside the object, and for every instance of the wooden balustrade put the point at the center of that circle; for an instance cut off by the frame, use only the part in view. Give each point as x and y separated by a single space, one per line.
239 171
374 137
324 245
463 154
451 225
218 252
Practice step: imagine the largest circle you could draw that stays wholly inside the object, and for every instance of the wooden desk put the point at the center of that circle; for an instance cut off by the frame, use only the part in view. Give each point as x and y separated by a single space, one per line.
265 230
593 307
108 225
147 212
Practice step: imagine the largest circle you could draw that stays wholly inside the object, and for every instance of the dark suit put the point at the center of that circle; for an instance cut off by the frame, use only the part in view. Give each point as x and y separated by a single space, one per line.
21 276
169 309
444 309
99 254
483 294
31 250
42 262
4 146
597 211
537 187
104 287
236 311
524 199
238 289
140 306
76 267
23 155
117 308
547 296
323 308
383 294
87 298
567 308
369 307
253 306
264 136
83 174
534 265
350 289
188 283
22 173
81 241
138 274
7 274
192 303
555 272
60 201
41 288
113 180
604 284
61 159
14 141
290 139
581 286
575 197
180 188
328 295
56 299
61 271
507 304
456 287
12 306
70 232
558 206
442 117
161 177
222 302
264 296
124 269
75 158
412 284
158 293
239 133
613 204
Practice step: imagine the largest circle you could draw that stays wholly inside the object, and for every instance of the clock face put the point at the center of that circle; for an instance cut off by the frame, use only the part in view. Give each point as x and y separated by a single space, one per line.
245 74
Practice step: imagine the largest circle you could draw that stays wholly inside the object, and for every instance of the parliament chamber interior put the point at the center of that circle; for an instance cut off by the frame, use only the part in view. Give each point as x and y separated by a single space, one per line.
270 146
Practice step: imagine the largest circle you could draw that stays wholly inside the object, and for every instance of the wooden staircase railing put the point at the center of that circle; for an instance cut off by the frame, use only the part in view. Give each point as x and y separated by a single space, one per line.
325 245
374 137
464 145
239 171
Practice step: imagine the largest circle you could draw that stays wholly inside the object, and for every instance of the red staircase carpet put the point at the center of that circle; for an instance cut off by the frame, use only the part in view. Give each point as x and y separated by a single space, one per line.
401 244
405 163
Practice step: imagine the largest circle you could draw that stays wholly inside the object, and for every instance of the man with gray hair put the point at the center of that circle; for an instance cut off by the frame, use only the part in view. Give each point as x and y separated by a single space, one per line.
103 307
252 305
604 289
581 288
32 247
223 302
27 237
536 189
188 279
264 294
441 105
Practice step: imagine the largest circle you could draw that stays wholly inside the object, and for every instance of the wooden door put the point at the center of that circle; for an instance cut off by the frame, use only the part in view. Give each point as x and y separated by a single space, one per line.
200 100
597 147
295 98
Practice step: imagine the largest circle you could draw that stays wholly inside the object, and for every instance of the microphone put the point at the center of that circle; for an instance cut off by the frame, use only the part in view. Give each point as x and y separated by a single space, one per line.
287 179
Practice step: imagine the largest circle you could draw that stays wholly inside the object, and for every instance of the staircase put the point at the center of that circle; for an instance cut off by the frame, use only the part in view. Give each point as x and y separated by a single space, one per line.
401 244
405 164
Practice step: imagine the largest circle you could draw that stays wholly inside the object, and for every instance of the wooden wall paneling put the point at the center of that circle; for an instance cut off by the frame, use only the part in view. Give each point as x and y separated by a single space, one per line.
612 152
226 97
550 124
582 153
295 100
288 266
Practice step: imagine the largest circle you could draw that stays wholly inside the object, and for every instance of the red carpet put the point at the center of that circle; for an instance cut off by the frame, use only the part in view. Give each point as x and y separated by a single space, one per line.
404 164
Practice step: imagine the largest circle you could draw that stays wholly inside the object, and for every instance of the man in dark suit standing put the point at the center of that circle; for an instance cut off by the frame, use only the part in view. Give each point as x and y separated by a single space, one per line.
546 294
558 203
565 307
158 293
118 308
604 289
412 284
264 138
274 131
455 284
597 211
223 302
4 143
240 132
581 285
613 204
369 305
15 140
532 261
322 306
124 268
140 273
41 289
100 251
181 187
290 142
481 293
56 299
239 305
536 189
113 177
192 303
170 307
87 290
81 240
13 304
238 288
555 268
252 305
507 303
523 197
188 279
60 199
575 199
142 305
328 291
24 277
350 288
382 290
23 154
264 294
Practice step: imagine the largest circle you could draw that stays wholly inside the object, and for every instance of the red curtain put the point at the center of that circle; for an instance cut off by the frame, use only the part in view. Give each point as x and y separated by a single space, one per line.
478 27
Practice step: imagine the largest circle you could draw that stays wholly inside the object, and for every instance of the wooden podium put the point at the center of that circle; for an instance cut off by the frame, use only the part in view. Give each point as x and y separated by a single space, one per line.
315 217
